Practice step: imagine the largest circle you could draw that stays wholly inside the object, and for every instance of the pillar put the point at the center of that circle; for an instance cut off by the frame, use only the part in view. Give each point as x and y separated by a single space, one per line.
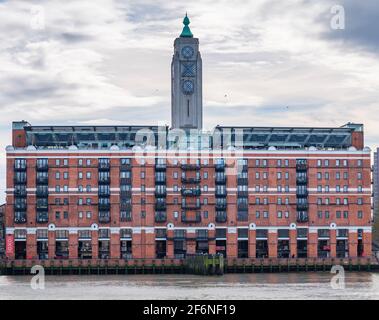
272 243
10 245
293 243
353 243
31 244
170 244
149 243
95 244
333 243
73 244
312 243
367 243
212 241
252 243
115 244
191 241
231 243
51 244
137 244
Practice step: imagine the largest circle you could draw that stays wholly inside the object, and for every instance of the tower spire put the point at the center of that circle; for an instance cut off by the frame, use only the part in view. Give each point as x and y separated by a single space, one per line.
186 33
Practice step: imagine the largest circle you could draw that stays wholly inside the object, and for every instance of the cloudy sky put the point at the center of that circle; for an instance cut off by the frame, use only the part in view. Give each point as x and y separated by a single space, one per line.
265 62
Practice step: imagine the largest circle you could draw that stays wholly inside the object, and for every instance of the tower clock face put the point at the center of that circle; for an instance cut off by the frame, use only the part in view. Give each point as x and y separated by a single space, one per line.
188 87
187 52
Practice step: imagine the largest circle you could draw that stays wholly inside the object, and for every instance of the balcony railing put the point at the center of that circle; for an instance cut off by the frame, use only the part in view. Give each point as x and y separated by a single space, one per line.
221 216
20 167
42 192
104 217
220 166
160 217
125 181
221 206
220 180
187 218
104 206
302 206
221 194
160 205
191 180
302 193
242 181
42 180
242 193
242 207
189 167
302 216
19 179
125 193
125 206
242 216
20 192
301 180
160 167
160 180
301 167
160 193
104 180
20 219
104 193
20 206
42 167
104 166
42 207
42 217
190 192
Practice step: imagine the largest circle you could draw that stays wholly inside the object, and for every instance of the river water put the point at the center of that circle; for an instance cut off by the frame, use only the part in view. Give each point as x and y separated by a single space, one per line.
363 285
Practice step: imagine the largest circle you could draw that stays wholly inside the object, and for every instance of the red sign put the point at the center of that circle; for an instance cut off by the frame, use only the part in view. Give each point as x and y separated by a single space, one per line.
9 245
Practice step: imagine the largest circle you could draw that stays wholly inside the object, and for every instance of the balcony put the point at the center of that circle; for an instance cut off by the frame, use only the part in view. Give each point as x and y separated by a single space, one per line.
125 193
125 215
42 167
42 217
104 166
20 167
104 206
125 206
160 193
243 167
42 192
242 181
104 217
188 218
160 205
301 180
42 180
20 219
220 179
302 206
190 192
160 180
191 180
19 179
301 193
160 217
20 192
302 217
104 180
42 207
221 216
221 206
242 216
125 167
160 167
301 167
125 181
191 206
104 192
242 193
190 167
20 206
242 207
221 193
220 167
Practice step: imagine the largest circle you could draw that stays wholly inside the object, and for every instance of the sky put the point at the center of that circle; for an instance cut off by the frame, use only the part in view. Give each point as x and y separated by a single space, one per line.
265 63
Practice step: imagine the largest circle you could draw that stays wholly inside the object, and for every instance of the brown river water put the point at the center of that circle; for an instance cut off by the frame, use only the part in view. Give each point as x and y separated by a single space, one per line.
362 285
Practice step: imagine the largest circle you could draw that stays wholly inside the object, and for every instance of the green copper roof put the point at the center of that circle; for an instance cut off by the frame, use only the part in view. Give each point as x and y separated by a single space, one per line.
186 33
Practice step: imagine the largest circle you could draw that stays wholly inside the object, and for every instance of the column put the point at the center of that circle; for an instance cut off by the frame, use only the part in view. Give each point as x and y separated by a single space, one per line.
136 243
10 244
95 244
353 243
51 244
170 244
272 243
73 244
252 243
31 244
212 241
367 243
231 243
333 243
149 243
191 241
312 243
115 244
293 243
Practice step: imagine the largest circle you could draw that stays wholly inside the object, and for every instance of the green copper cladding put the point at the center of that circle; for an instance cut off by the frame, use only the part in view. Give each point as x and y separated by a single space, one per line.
186 33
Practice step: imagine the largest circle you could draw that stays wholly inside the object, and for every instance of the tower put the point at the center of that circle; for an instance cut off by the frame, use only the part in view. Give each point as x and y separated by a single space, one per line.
186 81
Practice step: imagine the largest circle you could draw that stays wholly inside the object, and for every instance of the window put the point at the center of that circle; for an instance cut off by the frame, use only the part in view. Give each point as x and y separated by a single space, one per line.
80 162
88 175
279 162
257 175
57 188
243 232
221 233
280 214
65 175
84 234
257 214
88 162
65 162
359 163
319 163
80 188
65 215
80 175
279 175
175 175
338 175
359 201
327 215
80 201
319 175
337 163
359 175
61 234
319 214
205 175
57 162
142 175
80 214
57 175
286 162
360 214
42 234
88 214
346 214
